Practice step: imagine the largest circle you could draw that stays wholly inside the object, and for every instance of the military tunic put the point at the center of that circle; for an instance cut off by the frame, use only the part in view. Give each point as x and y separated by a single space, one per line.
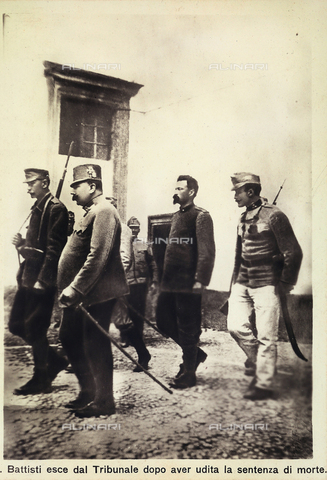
267 252
189 258
31 312
92 266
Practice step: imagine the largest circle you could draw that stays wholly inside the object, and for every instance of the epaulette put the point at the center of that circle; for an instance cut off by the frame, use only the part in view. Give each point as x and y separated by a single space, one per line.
55 200
268 205
200 209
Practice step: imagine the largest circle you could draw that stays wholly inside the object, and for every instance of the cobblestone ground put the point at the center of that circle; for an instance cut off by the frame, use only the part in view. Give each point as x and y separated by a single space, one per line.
155 424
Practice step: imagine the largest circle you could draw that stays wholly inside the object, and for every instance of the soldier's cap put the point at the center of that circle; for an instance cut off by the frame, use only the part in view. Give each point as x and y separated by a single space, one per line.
81 173
133 222
32 174
242 178
112 200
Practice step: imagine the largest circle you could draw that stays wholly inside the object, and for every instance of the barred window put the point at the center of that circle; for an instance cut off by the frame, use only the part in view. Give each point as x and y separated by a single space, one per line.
89 125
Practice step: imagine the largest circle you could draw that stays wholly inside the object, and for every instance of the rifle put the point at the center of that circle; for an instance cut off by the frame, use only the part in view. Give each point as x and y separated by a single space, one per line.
61 181
275 200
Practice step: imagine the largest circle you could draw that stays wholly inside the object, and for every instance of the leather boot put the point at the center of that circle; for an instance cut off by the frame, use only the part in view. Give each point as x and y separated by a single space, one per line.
56 364
103 402
39 383
201 357
83 399
136 340
95 410
187 378
86 394
258 394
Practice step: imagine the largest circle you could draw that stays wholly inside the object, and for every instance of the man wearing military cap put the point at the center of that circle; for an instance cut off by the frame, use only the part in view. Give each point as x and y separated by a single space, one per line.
32 308
90 271
268 257
142 274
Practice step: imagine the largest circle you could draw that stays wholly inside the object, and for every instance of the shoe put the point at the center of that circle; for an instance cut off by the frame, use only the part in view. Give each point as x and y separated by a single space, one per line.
186 380
83 399
34 386
53 370
94 410
259 394
144 363
250 368
201 357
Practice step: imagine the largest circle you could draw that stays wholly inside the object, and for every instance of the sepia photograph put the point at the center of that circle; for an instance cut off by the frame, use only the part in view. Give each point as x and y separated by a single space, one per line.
163 239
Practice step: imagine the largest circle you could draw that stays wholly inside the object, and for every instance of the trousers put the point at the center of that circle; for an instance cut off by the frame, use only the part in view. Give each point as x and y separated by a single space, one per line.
89 350
261 348
30 319
179 316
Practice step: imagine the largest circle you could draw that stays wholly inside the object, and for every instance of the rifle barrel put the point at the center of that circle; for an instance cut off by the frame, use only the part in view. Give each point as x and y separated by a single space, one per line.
61 181
275 200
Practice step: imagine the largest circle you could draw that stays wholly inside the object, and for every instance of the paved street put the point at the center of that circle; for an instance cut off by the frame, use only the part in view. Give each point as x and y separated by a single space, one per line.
151 423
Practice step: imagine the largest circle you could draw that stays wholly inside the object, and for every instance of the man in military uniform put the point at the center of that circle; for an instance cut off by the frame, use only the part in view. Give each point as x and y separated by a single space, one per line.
32 308
188 265
90 271
123 316
141 275
268 257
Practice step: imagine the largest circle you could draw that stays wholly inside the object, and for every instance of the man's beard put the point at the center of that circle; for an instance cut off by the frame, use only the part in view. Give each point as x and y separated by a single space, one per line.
176 199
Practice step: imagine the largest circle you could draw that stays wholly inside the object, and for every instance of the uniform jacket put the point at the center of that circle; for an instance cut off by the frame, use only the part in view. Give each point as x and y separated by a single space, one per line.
190 252
47 231
267 250
91 262
143 268
126 247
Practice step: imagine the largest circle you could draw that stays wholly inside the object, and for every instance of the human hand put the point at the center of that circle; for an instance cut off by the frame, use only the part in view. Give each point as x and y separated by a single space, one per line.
153 287
17 240
38 287
286 287
198 287
69 297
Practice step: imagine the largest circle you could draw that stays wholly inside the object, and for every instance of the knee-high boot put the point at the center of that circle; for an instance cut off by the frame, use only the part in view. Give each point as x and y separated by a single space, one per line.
136 340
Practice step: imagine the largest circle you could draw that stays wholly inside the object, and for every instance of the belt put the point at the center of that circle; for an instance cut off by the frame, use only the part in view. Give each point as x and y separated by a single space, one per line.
257 263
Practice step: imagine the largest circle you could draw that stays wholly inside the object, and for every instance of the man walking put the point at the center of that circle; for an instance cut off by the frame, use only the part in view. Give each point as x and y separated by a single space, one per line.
142 274
188 265
91 271
268 257
32 308
125 318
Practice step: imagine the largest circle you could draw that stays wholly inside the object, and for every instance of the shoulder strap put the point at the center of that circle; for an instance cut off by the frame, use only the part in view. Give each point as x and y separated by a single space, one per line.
42 217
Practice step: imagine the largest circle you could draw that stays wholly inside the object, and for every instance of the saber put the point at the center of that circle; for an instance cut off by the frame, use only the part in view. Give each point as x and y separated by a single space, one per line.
89 316
288 324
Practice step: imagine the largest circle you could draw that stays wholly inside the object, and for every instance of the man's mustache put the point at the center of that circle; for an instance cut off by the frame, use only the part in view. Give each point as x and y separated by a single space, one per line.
175 198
